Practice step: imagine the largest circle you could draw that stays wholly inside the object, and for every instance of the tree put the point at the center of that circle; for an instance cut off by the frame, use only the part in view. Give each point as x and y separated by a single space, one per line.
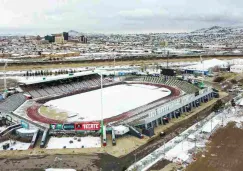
219 104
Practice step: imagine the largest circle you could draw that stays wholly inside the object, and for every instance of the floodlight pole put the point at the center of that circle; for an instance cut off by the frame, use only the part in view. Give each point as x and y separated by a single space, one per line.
5 82
203 67
101 102
114 65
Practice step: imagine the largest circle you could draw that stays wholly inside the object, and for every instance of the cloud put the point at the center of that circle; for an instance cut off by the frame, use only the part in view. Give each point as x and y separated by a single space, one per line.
118 15
137 13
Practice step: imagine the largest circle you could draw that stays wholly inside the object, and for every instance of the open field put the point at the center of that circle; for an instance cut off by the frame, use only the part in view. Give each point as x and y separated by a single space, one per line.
223 153
87 106
64 64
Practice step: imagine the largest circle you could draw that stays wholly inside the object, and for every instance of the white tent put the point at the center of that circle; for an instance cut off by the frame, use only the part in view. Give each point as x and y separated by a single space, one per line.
120 130
207 64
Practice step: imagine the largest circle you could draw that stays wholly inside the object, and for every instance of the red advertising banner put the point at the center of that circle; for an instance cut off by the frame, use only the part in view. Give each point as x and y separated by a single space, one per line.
87 126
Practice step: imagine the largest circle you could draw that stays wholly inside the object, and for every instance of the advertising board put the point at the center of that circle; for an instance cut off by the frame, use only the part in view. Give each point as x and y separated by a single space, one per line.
56 126
69 126
81 126
87 126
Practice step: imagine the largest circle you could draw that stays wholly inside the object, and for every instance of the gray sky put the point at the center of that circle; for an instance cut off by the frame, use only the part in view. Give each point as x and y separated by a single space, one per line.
118 16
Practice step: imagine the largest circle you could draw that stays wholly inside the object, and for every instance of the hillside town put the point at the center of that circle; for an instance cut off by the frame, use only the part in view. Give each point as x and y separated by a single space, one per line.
74 45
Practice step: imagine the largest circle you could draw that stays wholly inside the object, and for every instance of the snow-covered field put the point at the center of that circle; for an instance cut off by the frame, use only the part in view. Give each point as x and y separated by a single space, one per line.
116 100
15 145
181 148
85 142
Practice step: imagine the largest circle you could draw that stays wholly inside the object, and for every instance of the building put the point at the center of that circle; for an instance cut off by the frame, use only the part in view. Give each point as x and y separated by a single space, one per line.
65 35
50 39
83 39
205 66
236 68
59 38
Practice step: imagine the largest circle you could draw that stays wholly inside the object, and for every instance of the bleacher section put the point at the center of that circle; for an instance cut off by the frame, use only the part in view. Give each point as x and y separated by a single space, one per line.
183 85
12 102
63 86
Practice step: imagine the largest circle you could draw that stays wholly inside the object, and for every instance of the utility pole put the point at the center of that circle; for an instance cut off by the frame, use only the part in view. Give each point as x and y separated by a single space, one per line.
168 59
114 66
202 62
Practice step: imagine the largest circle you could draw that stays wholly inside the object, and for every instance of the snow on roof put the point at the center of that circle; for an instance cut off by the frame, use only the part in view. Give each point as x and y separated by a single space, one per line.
26 131
53 78
207 64
120 130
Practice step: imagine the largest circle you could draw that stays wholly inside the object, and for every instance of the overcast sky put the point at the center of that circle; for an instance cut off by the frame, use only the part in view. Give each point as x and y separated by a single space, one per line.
118 16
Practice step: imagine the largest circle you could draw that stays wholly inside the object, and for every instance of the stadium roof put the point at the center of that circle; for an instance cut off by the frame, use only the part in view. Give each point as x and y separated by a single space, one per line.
207 64
44 79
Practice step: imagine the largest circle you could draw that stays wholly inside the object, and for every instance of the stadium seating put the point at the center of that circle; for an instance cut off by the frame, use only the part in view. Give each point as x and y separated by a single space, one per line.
174 82
64 86
12 102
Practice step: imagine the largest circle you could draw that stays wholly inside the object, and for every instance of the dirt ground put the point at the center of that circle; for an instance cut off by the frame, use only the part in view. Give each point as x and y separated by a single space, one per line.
57 161
224 152
62 64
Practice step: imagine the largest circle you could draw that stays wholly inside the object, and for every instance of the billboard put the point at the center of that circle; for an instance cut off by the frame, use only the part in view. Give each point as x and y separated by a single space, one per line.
56 126
69 126
168 72
87 126
81 126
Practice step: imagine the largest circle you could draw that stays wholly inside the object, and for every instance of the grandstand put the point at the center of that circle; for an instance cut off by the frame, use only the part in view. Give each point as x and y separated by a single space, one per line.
173 82
183 97
50 88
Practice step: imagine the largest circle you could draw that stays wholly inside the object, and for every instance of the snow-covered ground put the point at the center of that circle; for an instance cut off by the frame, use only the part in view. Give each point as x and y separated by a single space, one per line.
15 145
55 169
2 128
85 142
116 100
181 148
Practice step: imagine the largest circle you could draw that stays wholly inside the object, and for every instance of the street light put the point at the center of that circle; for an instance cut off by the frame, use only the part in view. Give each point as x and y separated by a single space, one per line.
101 102
114 65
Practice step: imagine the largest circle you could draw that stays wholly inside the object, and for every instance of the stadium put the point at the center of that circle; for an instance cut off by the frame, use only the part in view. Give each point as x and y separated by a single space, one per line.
88 101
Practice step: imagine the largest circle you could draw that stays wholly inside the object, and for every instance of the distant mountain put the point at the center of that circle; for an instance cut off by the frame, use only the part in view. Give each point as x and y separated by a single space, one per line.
219 30
74 33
